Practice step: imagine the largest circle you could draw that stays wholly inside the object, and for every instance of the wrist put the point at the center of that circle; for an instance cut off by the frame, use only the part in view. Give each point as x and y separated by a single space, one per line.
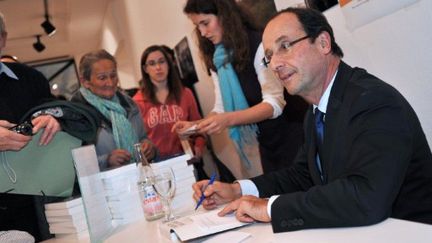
230 119
236 189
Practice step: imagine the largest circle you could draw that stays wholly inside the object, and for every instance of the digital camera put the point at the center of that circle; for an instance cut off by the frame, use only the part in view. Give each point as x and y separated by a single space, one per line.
25 128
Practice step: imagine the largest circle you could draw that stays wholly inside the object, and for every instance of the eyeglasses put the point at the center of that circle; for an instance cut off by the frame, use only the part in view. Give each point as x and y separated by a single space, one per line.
284 47
153 63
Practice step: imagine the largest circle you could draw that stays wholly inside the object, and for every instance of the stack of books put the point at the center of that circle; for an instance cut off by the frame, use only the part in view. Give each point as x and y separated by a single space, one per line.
122 196
67 219
184 178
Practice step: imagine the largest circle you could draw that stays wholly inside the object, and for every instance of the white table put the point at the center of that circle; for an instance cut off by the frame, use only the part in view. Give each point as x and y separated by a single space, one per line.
390 230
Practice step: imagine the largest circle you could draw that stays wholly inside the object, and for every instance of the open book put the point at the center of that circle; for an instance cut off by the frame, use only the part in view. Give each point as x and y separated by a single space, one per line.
199 225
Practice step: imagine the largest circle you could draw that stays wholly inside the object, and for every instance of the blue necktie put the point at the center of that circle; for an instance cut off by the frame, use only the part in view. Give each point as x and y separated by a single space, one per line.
319 126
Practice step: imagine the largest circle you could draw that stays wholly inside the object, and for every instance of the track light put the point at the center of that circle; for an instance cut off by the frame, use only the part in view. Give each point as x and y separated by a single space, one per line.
48 27
38 46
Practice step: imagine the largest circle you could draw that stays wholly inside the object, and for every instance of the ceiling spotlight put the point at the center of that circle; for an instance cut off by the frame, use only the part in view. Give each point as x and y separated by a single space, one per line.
38 46
48 27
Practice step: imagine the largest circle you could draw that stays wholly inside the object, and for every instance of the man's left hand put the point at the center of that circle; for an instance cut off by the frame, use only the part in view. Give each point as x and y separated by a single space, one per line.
51 127
248 209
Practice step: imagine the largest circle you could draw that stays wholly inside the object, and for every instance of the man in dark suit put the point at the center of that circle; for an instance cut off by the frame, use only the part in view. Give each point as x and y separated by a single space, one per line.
365 156
21 88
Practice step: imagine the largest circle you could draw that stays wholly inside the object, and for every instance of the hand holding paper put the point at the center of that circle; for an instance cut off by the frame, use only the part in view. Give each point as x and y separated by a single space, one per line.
185 128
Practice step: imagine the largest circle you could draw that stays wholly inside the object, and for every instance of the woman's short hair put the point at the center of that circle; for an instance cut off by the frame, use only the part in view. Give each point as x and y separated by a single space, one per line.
87 61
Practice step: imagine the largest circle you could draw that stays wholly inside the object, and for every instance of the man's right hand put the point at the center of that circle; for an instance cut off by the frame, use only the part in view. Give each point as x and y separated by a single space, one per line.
216 194
10 140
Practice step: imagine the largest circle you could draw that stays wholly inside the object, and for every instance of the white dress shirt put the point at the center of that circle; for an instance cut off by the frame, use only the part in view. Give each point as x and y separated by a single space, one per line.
7 71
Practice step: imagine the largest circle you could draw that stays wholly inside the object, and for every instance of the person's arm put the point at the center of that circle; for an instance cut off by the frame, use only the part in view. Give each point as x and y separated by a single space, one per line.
241 196
254 205
215 123
271 88
259 112
218 103
271 106
272 94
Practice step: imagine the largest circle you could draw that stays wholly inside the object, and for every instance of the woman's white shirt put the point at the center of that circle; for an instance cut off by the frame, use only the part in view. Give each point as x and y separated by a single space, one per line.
271 87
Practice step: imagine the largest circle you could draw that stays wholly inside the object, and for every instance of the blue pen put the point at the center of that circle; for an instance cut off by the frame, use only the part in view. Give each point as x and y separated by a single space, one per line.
212 179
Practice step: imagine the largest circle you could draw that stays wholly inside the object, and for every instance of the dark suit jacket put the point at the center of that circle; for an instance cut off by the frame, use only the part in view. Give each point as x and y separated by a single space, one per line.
375 158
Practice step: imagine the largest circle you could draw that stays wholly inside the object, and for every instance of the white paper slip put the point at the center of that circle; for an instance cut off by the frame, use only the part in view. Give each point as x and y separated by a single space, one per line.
231 236
191 130
199 225
212 222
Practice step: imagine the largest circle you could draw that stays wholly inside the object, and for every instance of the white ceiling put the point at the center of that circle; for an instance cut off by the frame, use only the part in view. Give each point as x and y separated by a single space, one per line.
78 23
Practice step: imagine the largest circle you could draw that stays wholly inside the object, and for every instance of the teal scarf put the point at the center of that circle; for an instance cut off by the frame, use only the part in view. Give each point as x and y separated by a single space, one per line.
124 135
233 100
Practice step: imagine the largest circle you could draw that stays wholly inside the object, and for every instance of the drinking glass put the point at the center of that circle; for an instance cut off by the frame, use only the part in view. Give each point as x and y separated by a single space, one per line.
164 185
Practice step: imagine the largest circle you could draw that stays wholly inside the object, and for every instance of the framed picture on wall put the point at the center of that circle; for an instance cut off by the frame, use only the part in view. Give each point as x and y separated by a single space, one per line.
62 75
185 63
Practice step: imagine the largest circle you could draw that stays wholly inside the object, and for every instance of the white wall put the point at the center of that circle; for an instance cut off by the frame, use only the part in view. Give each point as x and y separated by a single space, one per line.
396 48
